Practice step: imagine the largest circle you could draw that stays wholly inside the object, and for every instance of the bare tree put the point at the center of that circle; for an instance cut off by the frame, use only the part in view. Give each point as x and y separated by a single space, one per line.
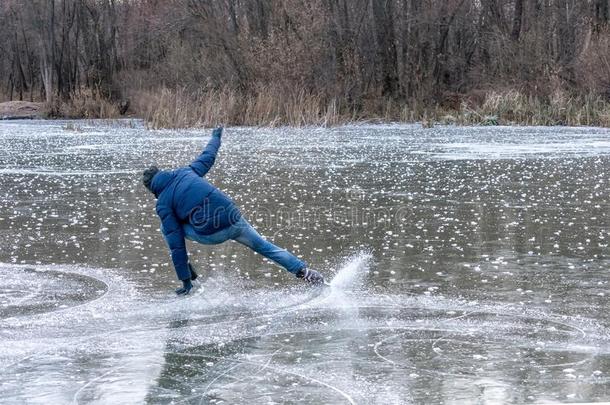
361 52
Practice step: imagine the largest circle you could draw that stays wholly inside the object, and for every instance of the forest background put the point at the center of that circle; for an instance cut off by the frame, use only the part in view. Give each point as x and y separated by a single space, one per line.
181 63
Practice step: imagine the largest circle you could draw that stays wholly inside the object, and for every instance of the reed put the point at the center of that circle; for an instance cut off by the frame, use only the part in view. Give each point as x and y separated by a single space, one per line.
516 108
266 106
83 104
273 106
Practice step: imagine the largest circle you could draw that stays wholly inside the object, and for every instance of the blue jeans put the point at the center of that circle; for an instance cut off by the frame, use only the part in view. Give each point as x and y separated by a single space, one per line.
245 234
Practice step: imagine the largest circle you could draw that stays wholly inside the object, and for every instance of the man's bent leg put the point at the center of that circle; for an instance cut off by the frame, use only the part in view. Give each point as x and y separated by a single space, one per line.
249 237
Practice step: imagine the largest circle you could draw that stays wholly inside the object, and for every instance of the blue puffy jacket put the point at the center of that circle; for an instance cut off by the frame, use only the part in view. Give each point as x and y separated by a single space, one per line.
183 196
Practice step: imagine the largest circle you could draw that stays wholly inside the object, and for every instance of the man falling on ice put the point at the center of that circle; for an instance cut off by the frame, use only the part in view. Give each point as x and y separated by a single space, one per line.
192 208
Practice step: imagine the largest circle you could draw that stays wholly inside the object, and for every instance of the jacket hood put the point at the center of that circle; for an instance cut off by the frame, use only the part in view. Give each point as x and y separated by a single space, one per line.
160 181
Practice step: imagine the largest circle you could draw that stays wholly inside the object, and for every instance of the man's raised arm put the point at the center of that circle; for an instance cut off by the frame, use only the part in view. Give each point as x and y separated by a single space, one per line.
205 161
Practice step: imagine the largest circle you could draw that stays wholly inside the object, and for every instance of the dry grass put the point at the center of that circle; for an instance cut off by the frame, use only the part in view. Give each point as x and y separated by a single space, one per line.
182 108
516 108
84 104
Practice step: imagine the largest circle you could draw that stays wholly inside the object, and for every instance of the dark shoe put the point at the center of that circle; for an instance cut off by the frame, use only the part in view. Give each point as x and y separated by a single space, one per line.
311 276
187 286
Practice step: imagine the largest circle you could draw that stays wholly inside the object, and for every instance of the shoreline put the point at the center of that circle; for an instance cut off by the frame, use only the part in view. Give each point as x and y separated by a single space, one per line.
22 110
168 109
364 123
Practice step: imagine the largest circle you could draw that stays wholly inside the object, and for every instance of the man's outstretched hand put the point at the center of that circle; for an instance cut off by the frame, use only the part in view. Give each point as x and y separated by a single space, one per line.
218 132
187 286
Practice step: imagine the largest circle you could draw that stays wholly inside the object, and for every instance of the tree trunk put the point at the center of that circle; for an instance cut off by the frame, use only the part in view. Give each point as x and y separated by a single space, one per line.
441 57
517 20
47 59
602 14
565 33
497 15
383 14
46 72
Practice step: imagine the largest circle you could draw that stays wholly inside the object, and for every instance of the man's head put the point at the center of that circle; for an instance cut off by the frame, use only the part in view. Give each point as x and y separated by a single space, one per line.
148 175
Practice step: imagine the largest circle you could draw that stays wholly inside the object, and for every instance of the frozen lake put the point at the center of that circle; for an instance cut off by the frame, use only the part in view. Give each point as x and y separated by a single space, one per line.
469 265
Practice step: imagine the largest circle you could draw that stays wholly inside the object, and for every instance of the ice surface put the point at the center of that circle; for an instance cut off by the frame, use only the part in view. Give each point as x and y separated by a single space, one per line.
467 265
